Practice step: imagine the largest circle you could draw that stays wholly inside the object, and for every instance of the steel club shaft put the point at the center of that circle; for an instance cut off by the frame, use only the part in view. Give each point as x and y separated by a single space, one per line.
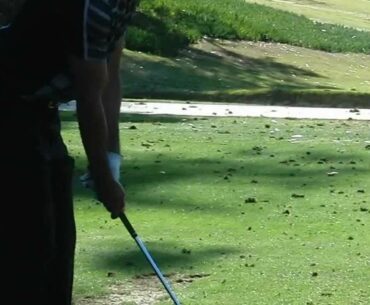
149 258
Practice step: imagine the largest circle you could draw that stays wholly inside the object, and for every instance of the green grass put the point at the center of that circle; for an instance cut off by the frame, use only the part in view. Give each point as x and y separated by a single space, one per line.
190 186
164 27
353 14
246 72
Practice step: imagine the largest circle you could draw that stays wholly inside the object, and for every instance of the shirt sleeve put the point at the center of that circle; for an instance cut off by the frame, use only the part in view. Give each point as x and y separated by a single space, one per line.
90 29
96 29
97 25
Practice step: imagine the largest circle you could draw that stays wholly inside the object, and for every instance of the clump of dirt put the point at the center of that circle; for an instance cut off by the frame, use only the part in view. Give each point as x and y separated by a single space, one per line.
142 290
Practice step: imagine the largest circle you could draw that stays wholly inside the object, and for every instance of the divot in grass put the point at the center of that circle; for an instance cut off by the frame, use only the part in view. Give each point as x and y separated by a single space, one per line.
142 290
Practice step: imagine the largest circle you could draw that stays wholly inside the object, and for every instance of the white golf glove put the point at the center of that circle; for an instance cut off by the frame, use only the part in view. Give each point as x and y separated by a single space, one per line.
114 160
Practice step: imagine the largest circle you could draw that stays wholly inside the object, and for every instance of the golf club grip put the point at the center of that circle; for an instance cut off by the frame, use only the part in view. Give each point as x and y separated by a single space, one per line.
128 225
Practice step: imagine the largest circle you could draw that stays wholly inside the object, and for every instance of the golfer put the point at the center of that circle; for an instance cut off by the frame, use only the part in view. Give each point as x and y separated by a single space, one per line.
55 51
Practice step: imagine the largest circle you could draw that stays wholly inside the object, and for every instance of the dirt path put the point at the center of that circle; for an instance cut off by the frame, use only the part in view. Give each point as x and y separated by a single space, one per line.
236 110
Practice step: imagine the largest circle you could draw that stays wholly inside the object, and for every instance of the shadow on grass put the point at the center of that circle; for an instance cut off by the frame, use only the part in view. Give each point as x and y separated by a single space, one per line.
153 35
219 74
197 72
205 185
171 176
134 260
70 117
142 118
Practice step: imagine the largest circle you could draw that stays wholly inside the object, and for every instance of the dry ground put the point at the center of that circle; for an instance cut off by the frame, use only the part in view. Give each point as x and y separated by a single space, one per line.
142 290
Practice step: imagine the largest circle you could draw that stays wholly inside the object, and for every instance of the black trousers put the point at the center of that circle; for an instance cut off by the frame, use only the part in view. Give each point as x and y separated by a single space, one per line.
37 230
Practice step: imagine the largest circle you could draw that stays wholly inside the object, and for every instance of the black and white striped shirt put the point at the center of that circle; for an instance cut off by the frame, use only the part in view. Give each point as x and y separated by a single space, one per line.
34 62
104 22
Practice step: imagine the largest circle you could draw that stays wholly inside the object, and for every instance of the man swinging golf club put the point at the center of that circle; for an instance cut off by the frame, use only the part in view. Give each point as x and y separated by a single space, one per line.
55 51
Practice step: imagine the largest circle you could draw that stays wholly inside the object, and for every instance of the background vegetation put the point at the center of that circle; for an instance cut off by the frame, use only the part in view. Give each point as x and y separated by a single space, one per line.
165 26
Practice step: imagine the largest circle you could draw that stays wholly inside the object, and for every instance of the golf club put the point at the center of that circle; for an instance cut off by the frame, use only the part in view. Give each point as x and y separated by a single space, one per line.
143 248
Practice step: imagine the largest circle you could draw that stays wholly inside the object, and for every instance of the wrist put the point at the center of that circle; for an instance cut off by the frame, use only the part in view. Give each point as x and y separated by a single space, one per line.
114 160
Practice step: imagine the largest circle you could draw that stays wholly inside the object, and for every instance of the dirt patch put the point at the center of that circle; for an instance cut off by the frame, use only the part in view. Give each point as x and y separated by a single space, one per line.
138 291
142 290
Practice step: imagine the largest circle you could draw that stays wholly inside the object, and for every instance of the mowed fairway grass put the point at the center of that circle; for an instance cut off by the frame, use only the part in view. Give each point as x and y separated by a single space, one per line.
355 14
238 51
249 72
235 210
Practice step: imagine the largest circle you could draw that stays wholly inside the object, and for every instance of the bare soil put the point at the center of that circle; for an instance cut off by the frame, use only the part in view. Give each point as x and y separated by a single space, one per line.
141 290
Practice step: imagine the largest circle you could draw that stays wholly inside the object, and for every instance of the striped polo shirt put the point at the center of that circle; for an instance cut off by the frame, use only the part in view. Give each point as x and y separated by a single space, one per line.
104 22
33 64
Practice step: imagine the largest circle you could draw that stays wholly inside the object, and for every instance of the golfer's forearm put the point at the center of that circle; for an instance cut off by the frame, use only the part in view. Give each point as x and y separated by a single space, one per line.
112 105
112 98
93 130
90 80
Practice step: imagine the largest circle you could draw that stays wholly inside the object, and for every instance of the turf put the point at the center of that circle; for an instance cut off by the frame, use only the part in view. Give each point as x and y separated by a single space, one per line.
243 52
266 211
165 27
247 72
353 14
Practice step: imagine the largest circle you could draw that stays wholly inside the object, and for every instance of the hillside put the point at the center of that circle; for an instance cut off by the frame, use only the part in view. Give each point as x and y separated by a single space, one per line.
250 72
355 14
164 27
236 51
